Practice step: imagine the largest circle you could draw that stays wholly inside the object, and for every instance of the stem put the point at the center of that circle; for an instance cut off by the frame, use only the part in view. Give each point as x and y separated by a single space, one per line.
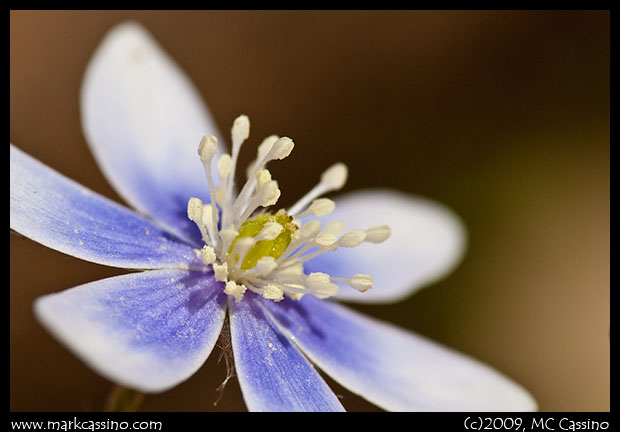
224 344
122 399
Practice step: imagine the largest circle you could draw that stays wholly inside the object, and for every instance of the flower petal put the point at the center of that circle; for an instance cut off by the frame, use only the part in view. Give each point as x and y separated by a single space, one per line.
59 213
144 119
273 374
147 331
392 368
427 242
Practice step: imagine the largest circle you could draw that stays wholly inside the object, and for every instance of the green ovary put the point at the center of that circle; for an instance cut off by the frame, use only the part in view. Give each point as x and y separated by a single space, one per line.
263 248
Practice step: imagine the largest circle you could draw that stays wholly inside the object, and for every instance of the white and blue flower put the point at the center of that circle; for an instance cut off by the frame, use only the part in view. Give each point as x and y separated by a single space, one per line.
208 253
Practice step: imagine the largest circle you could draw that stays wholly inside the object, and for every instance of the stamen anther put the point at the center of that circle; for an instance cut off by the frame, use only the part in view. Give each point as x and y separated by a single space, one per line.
194 209
335 227
360 282
240 129
270 193
332 179
265 265
352 239
335 177
207 148
273 292
319 207
224 166
270 231
220 271
320 285
235 290
281 148
378 234
208 255
325 240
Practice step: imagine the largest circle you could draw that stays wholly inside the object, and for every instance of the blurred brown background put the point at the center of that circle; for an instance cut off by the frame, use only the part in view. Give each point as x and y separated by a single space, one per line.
504 116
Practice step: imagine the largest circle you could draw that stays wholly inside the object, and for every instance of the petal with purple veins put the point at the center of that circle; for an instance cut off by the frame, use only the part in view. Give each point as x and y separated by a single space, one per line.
426 243
273 374
63 215
147 331
144 119
390 367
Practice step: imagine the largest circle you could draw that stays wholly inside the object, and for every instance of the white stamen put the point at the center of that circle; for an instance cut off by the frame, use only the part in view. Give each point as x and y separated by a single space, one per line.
281 149
378 234
266 196
266 145
270 231
273 292
302 236
239 133
207 149
220 272
325 240
207 221
219 196
335 227
266 275
352 239
270 193
269 189
319 207
361 282
241 204
240 130
265 265
194 213
223 167
320 285
332 179
194 209
241 249
335 176
263 149
263 177
235 290
227 235
208 254
206 216
289 273
307 231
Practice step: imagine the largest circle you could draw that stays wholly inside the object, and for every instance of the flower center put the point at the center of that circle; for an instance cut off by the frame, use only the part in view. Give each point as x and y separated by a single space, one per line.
282 227
249 248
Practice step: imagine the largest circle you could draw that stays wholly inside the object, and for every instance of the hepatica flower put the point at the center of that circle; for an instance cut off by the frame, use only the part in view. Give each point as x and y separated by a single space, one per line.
211 250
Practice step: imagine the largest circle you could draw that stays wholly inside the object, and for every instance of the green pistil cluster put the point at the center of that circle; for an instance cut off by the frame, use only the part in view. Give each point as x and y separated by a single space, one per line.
273 248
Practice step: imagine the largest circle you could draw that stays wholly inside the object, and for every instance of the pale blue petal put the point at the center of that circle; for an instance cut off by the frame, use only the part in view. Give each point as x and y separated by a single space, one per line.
63 215
273 374
147 331
392 368
144 119
427 242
